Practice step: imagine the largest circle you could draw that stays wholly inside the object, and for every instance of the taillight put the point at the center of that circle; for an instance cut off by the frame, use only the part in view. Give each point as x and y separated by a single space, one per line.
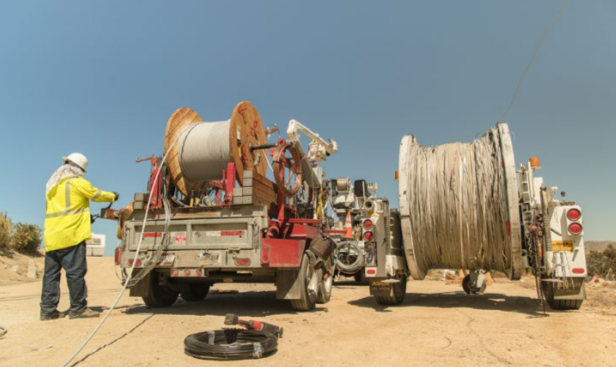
578 271
574 214
368 236
137 263
242 261
575 228
187 272
367 224
117 256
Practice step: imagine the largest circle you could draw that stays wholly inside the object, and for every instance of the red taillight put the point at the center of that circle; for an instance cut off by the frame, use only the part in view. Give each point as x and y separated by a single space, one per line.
242 261
574 214
186 272
132 261
199 272
578 271
367 224
176 273
371 271
117 256
368 236
575 228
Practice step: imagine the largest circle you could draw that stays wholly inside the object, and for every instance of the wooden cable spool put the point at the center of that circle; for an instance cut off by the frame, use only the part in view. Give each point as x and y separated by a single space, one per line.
245 130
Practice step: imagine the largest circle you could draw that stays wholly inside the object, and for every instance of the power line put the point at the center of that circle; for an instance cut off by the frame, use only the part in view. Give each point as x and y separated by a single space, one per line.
517 88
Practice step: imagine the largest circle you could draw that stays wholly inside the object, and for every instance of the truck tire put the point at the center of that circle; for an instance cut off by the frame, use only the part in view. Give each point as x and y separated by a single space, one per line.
194 292
307 301
560 304
325 290
360 277
158 295
399 291
466 285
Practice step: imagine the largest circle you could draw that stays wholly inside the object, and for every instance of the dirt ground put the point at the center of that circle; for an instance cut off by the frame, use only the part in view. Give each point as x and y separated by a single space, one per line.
437 325
14 268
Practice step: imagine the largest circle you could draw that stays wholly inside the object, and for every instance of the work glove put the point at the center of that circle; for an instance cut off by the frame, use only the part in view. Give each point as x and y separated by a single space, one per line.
92 219
117 196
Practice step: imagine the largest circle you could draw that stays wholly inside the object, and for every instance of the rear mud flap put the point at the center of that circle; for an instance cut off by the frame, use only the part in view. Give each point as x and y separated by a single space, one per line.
141 289
573 294
288 284
380 288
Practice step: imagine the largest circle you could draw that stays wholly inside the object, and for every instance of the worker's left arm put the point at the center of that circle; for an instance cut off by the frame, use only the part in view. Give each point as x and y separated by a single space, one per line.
92 193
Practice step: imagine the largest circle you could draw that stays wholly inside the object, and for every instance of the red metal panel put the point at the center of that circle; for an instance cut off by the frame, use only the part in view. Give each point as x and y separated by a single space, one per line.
334 231
303 231
277 253
304 221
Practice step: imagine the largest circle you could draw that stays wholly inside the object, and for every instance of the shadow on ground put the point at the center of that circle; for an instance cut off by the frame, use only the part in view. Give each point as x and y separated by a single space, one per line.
246 304
487 301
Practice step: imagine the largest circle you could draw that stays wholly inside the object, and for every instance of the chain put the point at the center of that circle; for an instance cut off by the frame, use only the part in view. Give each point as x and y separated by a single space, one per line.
537 273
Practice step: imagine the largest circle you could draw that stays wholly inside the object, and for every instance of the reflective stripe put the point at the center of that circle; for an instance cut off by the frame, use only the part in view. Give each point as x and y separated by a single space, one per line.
98 194
67 212
67 194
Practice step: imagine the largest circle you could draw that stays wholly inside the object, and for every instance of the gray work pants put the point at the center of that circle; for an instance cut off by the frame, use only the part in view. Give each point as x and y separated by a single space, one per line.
73 260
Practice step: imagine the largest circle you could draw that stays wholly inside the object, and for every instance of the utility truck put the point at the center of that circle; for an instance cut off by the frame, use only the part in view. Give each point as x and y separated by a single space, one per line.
537 232
210 214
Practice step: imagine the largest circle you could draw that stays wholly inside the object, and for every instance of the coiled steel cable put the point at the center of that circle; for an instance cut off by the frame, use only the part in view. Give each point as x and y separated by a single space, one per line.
457 201
204 150
230 344
345 251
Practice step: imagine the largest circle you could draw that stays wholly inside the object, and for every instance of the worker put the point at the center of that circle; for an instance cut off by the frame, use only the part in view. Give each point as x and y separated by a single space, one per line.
67 227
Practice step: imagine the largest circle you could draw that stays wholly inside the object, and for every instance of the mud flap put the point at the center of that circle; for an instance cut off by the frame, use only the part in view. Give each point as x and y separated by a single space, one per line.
577 292
141 289
380 288
288 284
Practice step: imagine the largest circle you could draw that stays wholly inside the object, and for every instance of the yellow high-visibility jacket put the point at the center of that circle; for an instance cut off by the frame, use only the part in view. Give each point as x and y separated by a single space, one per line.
67 222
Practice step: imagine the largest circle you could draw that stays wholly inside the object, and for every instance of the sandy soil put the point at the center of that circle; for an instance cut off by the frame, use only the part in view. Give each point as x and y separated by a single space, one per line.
8 261
437 325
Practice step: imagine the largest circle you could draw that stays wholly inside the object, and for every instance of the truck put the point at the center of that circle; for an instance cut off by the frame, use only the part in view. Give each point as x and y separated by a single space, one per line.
545 235
195 226
354 204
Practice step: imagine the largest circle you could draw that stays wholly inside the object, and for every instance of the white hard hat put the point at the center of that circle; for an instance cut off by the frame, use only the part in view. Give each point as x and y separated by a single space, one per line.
78 159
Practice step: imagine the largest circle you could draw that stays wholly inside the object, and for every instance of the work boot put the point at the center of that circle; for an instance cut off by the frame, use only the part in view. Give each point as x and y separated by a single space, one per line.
55 314
88 312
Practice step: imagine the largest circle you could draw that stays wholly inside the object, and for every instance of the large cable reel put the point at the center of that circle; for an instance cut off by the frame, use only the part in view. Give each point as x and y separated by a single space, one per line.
203 149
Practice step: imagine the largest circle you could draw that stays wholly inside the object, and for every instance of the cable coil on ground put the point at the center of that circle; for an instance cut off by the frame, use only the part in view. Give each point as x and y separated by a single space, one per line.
231 344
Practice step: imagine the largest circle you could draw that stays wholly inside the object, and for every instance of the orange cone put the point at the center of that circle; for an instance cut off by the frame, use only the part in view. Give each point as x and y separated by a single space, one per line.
348 226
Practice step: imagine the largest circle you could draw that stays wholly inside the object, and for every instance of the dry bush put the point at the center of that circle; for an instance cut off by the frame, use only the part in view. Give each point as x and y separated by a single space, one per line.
6 230
602 262
26 238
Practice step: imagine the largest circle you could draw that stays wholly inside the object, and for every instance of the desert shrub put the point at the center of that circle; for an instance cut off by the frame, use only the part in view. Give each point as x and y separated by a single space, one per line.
602 262
26 238
6 231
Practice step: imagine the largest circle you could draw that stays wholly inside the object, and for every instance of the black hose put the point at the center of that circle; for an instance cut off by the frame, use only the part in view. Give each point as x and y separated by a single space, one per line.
230 344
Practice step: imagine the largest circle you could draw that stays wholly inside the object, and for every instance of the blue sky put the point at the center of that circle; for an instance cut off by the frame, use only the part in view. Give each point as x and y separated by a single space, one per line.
102 78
